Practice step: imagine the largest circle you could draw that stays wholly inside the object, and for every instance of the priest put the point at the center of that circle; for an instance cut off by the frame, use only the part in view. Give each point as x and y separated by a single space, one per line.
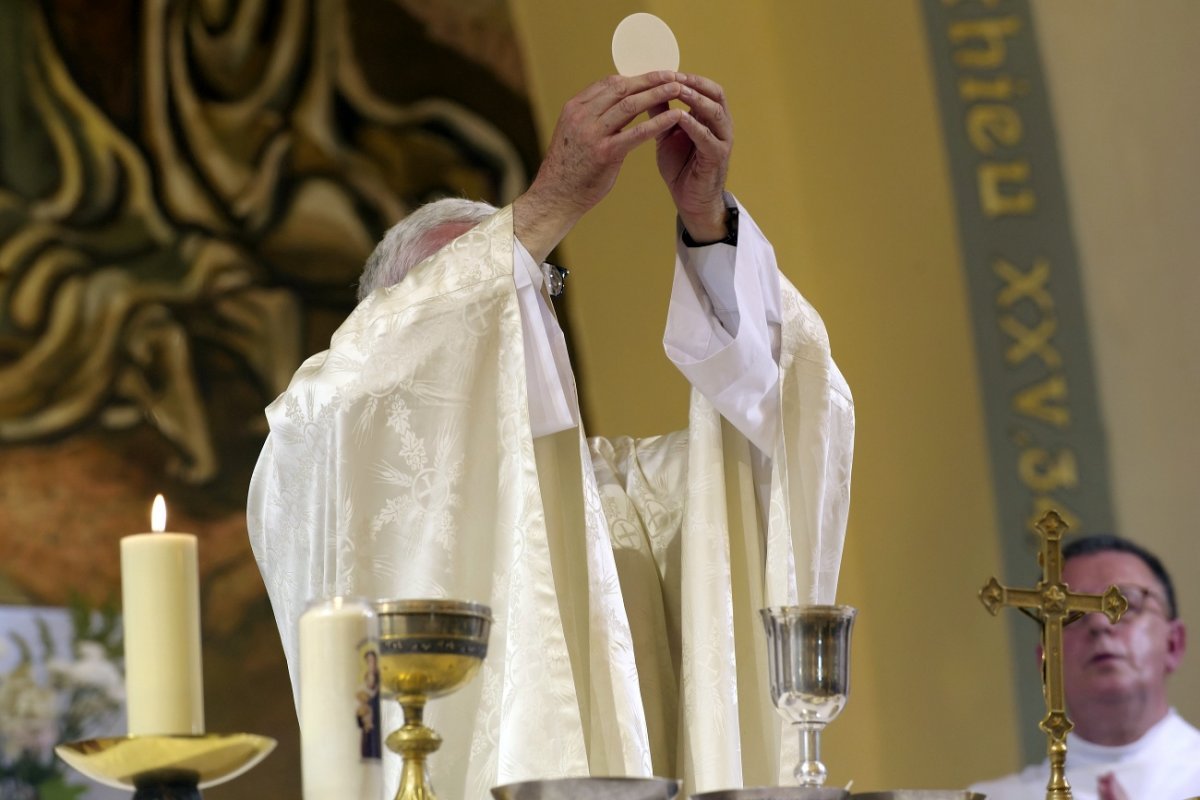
435 450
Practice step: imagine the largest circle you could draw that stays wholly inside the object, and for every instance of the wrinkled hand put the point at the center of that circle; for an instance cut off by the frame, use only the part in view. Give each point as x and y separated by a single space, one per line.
585 154
1108 788
693 157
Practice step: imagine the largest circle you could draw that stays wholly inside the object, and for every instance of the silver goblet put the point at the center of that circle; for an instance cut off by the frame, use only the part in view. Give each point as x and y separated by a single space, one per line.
808 649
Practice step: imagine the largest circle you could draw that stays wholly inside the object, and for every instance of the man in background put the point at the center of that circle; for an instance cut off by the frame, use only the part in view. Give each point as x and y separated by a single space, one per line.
1128 743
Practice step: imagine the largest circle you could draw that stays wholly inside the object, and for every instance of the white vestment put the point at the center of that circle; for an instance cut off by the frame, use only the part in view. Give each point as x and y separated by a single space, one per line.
1163 765
624 576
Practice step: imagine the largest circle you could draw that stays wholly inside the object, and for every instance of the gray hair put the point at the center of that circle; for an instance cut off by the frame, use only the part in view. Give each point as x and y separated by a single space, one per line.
415 238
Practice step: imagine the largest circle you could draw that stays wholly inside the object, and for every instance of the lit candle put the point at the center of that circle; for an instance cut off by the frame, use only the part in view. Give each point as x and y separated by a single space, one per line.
160 594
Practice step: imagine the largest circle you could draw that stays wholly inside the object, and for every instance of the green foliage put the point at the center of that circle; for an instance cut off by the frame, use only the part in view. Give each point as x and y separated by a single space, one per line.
23 646
101 624
57 788
46 639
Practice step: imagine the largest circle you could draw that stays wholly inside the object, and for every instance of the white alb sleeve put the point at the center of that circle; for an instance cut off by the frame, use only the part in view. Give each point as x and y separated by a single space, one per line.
723 330
550 383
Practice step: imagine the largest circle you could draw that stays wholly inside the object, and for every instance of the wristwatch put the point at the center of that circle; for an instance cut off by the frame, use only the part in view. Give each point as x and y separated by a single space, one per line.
731 231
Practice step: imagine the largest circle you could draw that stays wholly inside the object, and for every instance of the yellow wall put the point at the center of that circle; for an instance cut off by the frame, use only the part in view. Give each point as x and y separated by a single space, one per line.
838 156
1123 85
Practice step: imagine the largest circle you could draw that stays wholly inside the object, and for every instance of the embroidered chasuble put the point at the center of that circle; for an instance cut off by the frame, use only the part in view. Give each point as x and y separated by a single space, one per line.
624 576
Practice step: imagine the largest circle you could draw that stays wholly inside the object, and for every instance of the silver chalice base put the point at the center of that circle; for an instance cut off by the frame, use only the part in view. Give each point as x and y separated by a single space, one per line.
776 793
589 789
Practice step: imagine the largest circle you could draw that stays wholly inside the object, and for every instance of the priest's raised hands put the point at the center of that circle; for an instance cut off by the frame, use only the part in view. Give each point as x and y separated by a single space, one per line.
693 157
589 144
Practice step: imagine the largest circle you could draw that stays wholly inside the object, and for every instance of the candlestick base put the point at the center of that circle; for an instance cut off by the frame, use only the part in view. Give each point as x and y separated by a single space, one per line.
166 767
179 789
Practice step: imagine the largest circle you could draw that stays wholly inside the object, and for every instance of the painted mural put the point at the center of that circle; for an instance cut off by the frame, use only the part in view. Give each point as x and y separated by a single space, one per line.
188 189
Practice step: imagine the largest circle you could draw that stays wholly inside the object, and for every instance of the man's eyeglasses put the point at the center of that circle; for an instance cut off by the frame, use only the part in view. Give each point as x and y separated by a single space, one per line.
1142 600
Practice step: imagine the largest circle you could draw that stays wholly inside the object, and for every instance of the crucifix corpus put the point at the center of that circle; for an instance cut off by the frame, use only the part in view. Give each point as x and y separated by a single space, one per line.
1052 604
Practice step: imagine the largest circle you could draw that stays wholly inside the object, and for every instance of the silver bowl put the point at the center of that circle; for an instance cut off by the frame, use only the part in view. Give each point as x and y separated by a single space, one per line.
921 794
776 793
589 789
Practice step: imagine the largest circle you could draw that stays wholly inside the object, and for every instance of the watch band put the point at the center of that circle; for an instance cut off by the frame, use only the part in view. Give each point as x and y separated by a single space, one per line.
731 231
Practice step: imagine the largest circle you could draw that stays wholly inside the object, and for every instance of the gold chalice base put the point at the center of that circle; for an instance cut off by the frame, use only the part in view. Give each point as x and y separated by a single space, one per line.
210 758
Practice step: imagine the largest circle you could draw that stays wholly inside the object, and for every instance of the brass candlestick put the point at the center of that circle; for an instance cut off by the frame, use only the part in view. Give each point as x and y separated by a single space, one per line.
166 767
1052 604
427 648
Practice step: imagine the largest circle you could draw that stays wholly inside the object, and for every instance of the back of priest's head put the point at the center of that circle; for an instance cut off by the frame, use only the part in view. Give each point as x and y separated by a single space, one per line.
418 236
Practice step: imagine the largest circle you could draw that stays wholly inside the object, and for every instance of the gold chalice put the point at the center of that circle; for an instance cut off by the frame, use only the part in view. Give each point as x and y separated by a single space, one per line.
427 648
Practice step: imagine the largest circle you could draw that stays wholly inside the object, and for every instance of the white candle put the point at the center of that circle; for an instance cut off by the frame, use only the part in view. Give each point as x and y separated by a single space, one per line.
160 598
340 733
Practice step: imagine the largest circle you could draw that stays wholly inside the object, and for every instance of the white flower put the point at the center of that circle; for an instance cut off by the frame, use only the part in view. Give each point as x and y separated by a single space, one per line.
94 670
28 716
59 671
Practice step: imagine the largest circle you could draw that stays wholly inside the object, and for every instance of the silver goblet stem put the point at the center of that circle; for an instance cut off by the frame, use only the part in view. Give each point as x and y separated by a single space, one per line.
811 770
809 656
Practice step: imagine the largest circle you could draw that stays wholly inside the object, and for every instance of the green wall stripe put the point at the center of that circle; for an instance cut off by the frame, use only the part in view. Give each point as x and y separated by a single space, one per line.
1045 437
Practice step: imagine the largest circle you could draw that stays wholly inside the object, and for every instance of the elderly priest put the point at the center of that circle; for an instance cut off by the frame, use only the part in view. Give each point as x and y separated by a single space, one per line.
435 451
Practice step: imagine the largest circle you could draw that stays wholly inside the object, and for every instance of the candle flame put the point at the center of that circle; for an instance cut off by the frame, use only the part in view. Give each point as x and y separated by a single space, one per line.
158 514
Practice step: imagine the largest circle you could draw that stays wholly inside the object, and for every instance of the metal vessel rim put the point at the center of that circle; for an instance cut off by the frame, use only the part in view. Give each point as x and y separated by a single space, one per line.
460 607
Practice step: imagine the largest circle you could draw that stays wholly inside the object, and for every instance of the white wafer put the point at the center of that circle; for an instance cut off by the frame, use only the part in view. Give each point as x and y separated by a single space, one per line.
644 43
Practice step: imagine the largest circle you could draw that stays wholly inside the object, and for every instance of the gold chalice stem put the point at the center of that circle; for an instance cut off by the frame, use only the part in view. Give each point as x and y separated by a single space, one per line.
414 741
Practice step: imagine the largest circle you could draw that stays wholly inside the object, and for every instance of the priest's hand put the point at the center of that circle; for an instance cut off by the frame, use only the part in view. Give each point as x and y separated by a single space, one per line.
693 157
1108 788
589 144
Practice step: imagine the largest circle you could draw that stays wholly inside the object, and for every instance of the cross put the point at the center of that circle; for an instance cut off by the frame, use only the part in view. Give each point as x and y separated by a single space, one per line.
1052 604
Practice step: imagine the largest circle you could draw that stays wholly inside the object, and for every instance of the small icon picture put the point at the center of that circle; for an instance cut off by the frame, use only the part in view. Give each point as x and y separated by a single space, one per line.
367 707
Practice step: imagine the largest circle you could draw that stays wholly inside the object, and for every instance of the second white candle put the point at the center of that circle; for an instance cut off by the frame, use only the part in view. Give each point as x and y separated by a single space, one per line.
340 735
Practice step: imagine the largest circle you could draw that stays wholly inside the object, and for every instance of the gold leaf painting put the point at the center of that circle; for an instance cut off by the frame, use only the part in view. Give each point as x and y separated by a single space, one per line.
188 189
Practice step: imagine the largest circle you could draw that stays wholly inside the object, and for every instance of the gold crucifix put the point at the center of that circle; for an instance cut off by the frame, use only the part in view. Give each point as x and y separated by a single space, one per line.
1052 604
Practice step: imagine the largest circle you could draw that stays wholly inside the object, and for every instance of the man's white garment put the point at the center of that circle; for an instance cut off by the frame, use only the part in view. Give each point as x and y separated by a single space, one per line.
1162 765
624 576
